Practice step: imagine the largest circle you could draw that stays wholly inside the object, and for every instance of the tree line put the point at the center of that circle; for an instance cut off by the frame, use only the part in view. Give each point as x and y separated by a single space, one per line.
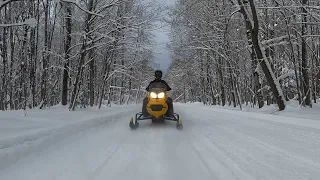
241 52
76 53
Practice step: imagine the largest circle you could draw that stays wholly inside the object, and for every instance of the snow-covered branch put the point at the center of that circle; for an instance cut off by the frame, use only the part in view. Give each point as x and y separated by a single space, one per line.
290 74
5 2
289 7
30 22
83 9
269 42
109 5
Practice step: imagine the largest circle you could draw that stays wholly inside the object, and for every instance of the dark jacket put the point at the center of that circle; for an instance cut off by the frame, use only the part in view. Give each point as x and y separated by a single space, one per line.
159 80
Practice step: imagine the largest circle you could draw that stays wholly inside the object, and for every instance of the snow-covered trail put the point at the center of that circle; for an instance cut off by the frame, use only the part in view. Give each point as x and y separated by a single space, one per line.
214 144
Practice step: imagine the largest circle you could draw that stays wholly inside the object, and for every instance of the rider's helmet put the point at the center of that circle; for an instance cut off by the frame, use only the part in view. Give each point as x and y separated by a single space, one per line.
158 74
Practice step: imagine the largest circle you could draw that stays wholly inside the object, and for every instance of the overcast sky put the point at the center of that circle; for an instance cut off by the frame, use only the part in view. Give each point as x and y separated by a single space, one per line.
163 56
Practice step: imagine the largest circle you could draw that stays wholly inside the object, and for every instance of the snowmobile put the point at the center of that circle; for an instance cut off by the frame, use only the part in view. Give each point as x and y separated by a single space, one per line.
157 108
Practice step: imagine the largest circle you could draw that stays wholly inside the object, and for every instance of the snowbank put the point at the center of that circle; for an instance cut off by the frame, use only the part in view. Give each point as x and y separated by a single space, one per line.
40 128
292 109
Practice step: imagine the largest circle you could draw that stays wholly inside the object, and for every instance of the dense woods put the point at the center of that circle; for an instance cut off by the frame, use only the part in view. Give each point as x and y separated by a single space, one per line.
82 53
245 52
75 52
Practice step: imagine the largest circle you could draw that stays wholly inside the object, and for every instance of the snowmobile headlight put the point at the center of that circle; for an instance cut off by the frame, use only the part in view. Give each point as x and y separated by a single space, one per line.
153 95
161 95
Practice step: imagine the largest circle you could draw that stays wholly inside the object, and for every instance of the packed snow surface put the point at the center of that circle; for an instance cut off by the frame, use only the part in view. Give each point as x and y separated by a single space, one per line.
215 143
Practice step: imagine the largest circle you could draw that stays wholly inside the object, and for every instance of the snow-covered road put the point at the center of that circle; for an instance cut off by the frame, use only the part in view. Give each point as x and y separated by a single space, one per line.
214 144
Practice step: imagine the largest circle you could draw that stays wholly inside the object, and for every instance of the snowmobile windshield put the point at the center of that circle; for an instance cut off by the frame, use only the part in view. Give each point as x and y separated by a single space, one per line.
157 86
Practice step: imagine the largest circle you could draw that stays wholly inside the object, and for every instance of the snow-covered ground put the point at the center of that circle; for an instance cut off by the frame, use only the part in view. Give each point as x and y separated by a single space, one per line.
20 123
292 109
216 143
23 132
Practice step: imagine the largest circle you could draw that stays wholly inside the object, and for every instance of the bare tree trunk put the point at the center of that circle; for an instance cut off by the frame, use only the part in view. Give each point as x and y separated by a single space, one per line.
293 57
210 84
76 85
121 98
68 21
306 83
4 50
221 82
45 55
263 61
232 87
238 93
255 76
34 71
83 54
317 64
202 78
91 78
12 81
24 62
32 58
246 93
107 67
313 81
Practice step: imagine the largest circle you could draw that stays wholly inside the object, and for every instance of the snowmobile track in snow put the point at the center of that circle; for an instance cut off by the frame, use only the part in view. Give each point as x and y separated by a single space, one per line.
214 144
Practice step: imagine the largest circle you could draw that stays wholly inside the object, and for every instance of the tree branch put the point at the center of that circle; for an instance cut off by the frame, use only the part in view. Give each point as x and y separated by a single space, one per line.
85 10
5 2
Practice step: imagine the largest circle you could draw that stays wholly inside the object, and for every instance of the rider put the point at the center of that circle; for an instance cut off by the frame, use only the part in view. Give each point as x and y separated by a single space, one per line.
158 76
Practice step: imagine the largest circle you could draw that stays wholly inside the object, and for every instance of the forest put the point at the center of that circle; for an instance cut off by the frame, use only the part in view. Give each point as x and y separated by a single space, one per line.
82 53
246 52
77 53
